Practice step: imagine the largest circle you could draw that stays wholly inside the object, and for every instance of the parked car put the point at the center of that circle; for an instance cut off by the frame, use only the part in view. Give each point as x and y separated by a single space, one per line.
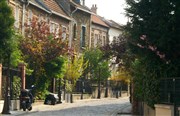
51 99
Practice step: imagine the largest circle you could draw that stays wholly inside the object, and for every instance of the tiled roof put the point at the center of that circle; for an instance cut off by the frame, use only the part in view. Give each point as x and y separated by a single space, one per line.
97 20
65 4
81 7
112 23
40 5
68 4
51 4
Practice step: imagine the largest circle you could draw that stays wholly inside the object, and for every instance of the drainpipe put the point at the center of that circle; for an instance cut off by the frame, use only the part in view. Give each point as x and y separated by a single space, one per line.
90 32
23 18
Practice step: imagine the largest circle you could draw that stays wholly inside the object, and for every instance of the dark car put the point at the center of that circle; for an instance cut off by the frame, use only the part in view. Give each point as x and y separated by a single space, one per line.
51 99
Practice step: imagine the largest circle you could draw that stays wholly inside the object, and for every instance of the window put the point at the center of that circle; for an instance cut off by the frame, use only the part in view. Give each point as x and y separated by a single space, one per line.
83 35
54 28
96 37
40 18
30 16
64 33
74 31
17 17
104 40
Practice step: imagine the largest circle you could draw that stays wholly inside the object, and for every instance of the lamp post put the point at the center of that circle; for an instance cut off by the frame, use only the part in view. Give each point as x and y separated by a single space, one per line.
82 90
107 84
59 91
99 83
6 107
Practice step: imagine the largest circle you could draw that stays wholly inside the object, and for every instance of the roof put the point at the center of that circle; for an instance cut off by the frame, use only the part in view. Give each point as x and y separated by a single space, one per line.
55 8
81 7
68 4
39 5
112 23
65 4
97 20
50 6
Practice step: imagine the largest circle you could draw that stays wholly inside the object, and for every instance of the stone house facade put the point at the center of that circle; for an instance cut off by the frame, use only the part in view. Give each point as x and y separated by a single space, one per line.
47 10
99 32
80 24
50 11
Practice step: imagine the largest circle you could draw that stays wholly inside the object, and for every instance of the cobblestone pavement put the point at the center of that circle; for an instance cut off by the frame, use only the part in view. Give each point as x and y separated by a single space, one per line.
92 107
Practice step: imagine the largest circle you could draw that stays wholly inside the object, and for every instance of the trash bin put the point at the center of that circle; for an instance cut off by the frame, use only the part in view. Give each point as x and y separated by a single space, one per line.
51 99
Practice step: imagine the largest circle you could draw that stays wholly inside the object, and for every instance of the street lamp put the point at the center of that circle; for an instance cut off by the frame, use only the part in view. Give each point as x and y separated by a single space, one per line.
6 107
82 90
59 91
99 82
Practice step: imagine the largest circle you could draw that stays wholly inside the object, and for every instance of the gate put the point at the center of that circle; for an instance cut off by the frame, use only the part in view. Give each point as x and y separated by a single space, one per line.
170 93
11 75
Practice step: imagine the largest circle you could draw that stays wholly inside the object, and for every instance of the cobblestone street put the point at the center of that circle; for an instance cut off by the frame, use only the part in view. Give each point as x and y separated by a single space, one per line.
92 107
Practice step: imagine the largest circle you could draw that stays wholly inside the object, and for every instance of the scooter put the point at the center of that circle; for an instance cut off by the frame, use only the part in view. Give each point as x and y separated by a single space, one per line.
26 99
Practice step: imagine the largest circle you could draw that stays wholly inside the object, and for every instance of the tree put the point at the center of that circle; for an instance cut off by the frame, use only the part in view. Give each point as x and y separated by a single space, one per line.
75 68
6 31
153 37
98 67
8 47
118 54
40 46
94 57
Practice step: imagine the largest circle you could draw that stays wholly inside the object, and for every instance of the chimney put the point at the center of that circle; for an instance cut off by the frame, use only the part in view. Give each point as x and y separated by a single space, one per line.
94 8
83 2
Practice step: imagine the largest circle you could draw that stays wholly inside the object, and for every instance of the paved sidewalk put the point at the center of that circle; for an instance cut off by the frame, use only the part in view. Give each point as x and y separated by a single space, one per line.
21 112
125 111
39 108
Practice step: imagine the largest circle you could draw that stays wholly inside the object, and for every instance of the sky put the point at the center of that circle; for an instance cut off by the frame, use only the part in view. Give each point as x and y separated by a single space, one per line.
110 9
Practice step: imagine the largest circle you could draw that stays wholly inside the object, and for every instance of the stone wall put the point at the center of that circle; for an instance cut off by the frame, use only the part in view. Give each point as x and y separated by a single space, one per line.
164 110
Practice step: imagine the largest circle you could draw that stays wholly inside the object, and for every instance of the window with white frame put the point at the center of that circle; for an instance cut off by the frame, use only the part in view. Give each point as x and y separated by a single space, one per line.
16 24
104 40
30 16
96 37
64 29
40 18
54 28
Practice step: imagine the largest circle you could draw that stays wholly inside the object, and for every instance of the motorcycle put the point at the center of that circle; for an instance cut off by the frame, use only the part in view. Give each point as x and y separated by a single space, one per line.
26 99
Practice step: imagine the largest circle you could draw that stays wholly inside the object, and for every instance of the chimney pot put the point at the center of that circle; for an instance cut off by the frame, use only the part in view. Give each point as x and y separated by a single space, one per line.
94 8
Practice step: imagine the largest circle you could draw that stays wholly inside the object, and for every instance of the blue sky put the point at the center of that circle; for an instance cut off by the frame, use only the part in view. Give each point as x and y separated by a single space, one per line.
110 9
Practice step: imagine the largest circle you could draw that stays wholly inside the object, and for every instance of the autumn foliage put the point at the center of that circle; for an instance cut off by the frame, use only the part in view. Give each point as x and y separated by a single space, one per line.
42 45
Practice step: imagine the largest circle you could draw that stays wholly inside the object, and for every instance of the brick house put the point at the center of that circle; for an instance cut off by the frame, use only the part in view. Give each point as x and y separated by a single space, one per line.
99 30
47 10
80 25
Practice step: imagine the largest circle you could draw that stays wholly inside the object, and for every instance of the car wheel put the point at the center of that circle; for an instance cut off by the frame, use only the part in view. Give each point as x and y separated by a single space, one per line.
30 108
